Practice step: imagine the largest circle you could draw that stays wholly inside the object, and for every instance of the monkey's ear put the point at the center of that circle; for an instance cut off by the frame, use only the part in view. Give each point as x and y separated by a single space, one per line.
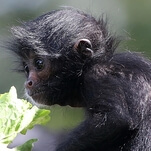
84 48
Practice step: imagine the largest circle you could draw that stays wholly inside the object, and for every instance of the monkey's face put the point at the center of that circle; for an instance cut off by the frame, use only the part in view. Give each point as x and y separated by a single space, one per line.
49 79
37 71
41 83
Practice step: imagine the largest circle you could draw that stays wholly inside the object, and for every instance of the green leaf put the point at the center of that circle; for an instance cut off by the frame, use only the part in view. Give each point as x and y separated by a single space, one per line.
26 146
18 115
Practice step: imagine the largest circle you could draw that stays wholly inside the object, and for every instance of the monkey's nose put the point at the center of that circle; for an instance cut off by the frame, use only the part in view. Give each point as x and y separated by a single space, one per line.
32 80
29 84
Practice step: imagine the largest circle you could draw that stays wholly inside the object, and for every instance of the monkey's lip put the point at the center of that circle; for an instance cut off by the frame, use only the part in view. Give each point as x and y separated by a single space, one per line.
39 97
36 94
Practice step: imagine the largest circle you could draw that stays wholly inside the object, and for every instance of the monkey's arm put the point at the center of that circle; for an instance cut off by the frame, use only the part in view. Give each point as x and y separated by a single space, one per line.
98 132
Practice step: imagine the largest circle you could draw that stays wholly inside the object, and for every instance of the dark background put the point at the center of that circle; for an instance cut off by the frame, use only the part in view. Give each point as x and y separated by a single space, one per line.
129 19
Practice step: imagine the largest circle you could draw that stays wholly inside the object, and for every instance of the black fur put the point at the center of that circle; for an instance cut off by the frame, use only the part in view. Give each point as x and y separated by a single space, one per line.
114 88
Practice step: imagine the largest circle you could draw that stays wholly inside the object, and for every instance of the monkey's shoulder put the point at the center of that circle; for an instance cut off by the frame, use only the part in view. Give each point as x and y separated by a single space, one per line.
131 62
122 65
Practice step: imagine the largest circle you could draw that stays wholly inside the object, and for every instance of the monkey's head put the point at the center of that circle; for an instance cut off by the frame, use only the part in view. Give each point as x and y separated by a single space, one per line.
54 50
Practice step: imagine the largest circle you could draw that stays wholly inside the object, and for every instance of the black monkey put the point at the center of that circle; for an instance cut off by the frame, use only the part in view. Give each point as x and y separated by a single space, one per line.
68 58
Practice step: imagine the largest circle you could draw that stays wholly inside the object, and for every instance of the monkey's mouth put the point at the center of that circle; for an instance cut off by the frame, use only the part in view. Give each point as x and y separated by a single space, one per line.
36 95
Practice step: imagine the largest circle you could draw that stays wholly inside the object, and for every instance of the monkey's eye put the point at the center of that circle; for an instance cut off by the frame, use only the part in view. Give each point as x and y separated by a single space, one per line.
39 63
26 69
